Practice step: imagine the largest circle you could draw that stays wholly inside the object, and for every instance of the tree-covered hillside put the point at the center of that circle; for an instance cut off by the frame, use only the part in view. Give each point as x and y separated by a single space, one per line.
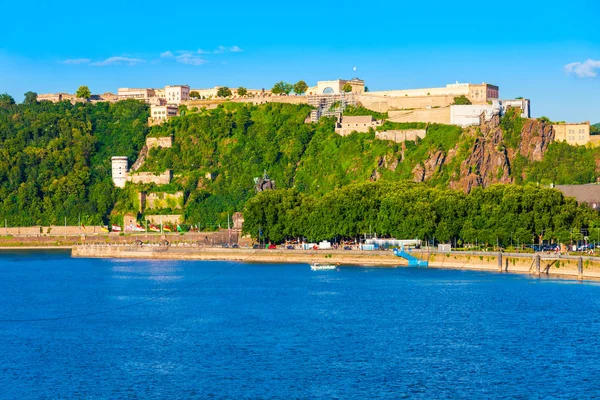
55 159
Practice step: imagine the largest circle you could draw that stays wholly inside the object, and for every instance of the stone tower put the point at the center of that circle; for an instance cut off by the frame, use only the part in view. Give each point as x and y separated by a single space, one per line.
119 170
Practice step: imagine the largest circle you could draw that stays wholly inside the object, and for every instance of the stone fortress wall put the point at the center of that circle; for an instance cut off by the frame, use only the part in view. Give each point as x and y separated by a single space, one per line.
163 178
402 135
161 200
165 142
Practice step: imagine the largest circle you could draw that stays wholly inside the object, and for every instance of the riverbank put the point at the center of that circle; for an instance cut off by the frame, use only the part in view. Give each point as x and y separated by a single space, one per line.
549 264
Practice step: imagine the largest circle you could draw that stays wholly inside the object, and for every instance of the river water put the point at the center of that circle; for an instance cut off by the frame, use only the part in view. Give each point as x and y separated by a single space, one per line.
92 328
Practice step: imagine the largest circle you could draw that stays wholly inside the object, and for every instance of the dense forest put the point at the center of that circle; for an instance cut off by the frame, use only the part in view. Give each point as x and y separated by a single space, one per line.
56 164
504 214
55 159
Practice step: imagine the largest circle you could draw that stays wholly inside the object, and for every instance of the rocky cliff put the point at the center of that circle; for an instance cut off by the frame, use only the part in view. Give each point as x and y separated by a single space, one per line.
492 155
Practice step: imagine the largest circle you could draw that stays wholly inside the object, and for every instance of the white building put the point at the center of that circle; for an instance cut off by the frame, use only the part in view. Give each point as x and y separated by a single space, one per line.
349 124
120 167
160 113
336 87
137 94
176 94
468 115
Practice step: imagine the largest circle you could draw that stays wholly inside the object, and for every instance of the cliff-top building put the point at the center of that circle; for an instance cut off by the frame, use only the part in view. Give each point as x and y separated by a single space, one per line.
477 93
572 133
336 87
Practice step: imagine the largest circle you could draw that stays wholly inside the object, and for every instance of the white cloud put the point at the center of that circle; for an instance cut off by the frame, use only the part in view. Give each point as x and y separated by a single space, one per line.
190 59
76 61
586 69
221 50
117 60
166 54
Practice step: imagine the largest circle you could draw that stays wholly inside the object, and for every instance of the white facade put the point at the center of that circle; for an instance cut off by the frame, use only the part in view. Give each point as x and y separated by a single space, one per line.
336 87
163 112
137 94
120 167
468 115
177 94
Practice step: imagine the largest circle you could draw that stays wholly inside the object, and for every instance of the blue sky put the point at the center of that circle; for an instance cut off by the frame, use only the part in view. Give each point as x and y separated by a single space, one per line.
548 51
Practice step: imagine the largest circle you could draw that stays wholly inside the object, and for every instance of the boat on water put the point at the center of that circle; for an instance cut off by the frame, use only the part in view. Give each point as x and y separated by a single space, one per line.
315 266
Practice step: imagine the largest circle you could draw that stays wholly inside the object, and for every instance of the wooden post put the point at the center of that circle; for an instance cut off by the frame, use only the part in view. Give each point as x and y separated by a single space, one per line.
580 267
499 262
537 264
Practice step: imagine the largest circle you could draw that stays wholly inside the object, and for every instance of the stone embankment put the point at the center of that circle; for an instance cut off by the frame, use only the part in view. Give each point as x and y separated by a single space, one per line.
547 265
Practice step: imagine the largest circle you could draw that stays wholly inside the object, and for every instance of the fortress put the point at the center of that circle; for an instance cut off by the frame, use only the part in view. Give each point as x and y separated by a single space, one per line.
331 97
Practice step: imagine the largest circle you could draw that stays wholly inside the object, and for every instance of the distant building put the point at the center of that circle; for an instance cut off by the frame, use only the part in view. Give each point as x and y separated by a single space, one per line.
477 93
137 94
349 124
336 87
53 97
572 133
120 167
469 115
161 113
584 194
176 94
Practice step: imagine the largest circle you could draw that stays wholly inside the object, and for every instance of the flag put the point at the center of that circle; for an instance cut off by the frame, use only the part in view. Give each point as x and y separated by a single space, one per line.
82 227
179 228
104 229
154 228
116 228
166 228
139 228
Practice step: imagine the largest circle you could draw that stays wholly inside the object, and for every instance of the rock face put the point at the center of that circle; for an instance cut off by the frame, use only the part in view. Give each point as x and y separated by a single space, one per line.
535 138
490 161
434 163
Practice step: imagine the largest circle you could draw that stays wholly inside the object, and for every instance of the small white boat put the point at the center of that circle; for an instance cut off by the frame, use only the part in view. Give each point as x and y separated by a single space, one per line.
315 266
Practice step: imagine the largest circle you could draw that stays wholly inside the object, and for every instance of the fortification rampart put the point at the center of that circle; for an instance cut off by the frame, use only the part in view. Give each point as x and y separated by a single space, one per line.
161 200
52 230
432 115
400 136
165 219
165 142
387 103
163 178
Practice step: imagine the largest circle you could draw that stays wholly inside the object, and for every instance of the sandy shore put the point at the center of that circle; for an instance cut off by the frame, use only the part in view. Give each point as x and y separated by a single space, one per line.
550 265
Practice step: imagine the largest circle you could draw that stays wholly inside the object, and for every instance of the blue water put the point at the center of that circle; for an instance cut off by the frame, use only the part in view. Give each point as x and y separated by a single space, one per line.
284 331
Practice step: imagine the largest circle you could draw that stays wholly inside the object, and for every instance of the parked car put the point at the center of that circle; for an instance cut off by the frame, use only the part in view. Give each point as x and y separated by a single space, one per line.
290 247
235 246
272 247
347 248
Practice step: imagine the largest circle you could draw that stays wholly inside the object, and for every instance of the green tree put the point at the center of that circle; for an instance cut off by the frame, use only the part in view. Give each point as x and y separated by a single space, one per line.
194 94
223 91
6 100
461 100
282 88
347 88
300 87
366 89
242 91
83 92
30 98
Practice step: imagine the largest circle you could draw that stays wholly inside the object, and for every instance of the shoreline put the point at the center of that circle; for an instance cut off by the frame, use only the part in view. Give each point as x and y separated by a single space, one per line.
565 267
